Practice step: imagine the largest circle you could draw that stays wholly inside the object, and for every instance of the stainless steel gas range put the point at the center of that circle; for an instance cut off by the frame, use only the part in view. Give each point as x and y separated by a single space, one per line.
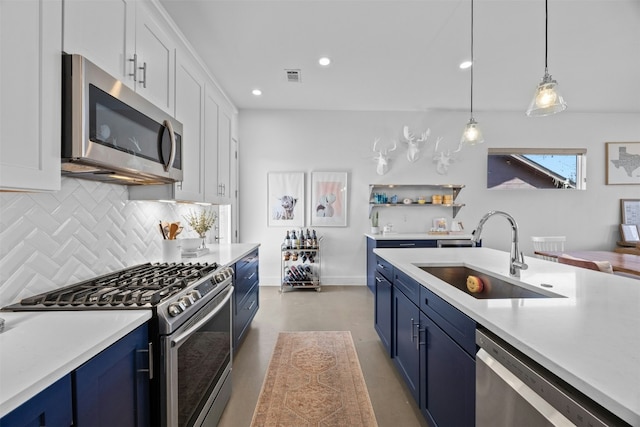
190 331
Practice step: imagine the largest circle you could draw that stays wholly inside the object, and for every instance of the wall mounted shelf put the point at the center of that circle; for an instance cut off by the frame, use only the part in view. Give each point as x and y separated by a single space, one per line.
413 192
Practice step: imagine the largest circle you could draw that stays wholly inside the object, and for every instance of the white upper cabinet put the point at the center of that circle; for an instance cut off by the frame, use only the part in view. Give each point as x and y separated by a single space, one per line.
155 59
103 31
30 88
224 153
211 187
124 38
190 104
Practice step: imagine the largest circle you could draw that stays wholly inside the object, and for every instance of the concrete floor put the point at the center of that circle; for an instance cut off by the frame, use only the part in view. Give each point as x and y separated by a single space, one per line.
336 308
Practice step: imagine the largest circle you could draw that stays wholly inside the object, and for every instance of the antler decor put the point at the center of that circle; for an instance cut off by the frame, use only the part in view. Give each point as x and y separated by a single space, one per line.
413 144
382 157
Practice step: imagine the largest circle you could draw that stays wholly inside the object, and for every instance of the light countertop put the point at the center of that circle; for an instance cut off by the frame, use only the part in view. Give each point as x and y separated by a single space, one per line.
418 236
590 339
224 254
39 348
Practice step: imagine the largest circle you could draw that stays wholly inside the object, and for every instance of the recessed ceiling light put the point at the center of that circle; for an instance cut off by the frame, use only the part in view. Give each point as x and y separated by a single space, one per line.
256 92
465 64
324 61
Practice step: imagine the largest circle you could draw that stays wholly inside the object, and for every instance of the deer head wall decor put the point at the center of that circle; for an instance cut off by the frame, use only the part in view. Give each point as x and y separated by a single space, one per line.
382 157
413 144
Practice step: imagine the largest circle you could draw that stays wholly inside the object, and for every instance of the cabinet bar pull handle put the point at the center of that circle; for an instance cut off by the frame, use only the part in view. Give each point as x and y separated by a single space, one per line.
407 244
381 266
135 67
252 274
378 280
252 304
143 82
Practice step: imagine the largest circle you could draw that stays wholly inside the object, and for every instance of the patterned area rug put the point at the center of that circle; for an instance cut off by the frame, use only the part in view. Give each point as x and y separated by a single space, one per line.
314 379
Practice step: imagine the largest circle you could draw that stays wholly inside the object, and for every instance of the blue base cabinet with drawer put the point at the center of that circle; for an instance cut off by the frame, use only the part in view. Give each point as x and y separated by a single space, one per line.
433 348
246 296
50 407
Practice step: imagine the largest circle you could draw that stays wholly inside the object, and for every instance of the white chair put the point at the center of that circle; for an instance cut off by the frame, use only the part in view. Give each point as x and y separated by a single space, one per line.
548 244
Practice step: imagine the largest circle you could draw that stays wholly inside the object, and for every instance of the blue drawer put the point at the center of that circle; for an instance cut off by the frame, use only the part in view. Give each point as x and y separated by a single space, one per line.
407 285
385 268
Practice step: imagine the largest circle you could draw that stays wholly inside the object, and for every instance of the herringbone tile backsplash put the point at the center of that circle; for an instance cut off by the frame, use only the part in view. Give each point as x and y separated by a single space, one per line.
49 240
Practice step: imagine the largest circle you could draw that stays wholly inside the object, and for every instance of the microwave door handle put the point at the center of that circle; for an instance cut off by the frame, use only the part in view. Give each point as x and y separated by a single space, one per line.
172 137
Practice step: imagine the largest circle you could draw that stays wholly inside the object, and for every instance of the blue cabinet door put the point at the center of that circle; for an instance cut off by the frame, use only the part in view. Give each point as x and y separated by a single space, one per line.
50 407
112 389
406 322
447 380
383 310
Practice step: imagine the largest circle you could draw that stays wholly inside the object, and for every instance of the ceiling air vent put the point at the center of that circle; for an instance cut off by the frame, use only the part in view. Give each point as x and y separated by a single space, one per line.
293 76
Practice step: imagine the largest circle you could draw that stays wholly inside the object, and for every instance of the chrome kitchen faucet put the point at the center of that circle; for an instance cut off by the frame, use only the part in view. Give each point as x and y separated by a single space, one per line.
516 262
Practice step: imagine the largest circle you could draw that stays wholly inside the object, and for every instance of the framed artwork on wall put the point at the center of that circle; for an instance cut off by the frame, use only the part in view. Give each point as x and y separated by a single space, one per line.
329 199
630 211
285 199
623 162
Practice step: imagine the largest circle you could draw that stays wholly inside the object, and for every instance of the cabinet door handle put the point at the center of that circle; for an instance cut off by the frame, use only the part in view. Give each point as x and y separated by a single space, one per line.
378 280
425 337
252 274
252 304
413 335
149 351
135 67
381 266
143 82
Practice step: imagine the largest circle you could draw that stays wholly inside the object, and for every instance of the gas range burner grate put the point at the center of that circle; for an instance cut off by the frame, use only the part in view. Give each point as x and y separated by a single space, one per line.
144 285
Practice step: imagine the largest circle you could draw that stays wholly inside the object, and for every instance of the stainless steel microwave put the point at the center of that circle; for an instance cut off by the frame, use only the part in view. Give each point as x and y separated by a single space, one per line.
111 133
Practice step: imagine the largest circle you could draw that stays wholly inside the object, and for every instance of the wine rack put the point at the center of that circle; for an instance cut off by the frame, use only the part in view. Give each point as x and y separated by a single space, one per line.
301 266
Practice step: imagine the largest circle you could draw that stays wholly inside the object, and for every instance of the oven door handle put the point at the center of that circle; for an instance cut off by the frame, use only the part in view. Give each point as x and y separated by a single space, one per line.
183 336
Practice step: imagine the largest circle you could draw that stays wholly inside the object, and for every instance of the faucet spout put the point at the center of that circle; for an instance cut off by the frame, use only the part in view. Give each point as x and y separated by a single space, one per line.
516 260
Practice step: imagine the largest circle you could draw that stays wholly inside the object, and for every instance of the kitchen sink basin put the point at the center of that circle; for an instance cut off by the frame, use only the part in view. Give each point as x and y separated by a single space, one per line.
494 288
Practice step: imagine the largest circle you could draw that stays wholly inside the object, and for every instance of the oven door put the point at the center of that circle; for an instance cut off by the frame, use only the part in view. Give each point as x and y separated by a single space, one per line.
197 366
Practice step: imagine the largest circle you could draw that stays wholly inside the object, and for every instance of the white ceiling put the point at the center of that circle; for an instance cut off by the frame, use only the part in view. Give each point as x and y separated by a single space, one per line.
403 54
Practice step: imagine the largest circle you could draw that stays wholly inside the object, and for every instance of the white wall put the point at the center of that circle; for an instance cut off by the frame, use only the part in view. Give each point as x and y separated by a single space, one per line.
272 140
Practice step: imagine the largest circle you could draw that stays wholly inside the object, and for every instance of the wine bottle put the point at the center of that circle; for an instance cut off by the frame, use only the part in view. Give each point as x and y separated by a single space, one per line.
287 241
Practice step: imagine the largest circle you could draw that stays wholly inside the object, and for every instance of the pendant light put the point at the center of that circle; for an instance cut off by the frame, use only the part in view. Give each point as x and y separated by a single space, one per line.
547 100
472 134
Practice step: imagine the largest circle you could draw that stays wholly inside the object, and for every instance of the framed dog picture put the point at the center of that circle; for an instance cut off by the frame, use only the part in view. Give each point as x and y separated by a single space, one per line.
329 199
285 199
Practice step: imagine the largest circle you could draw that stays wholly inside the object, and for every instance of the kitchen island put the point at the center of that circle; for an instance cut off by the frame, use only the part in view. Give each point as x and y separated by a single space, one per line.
589 338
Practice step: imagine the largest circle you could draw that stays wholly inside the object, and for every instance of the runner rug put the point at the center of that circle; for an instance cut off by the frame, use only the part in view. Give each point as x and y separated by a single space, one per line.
314 379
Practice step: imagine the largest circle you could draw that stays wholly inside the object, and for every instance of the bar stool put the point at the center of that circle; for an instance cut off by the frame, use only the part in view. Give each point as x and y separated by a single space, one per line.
548 244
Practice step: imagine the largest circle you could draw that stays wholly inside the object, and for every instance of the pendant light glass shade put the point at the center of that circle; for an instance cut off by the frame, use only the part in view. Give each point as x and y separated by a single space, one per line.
547 100
472 134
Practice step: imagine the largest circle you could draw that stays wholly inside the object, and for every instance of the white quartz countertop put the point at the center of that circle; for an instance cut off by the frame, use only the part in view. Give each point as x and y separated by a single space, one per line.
39 348
590 339
224 254
418 236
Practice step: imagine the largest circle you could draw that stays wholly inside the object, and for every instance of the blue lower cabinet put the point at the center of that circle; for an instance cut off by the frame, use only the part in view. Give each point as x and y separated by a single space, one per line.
406 350
434 351
51 407
112 389
447 379
383 310
246 295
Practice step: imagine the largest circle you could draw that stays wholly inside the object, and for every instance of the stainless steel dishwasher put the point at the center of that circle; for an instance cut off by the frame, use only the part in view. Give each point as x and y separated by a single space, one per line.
512 390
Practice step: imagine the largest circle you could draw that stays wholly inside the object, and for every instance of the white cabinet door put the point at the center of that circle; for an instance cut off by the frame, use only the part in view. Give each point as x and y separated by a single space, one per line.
30 86
189 111
211 109
155 50
103 31
224 153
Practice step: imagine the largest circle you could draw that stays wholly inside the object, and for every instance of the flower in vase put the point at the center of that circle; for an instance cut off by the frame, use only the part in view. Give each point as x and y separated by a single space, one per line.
201 222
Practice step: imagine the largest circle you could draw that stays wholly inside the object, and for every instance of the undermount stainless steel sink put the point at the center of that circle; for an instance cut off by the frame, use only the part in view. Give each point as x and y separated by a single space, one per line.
494 288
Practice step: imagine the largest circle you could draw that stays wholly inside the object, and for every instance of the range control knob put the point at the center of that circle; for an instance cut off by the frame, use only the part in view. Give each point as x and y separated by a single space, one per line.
175 309
187 300
195 295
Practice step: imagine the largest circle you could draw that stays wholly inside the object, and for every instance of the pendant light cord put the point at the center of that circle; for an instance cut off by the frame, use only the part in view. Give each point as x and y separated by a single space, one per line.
473 64
546 34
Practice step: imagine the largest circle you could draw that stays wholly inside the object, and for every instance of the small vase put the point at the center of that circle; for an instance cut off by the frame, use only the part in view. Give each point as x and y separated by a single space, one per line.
375 230
204 241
